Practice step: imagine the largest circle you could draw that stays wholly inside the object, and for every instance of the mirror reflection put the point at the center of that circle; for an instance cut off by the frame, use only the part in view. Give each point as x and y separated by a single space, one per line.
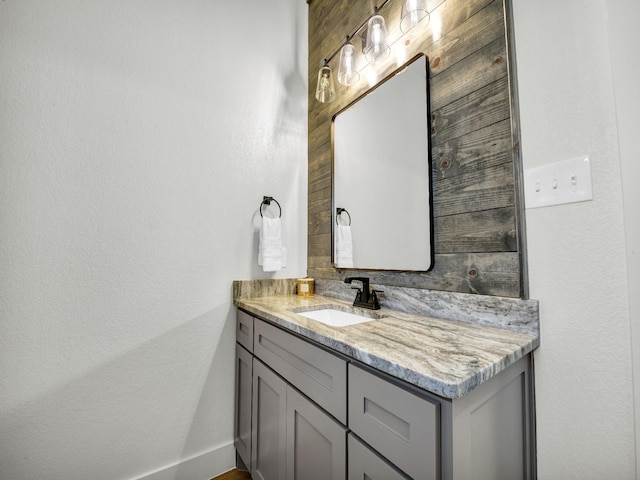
381 176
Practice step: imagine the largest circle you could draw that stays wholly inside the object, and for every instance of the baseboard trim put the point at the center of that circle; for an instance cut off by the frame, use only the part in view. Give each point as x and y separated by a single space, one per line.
203 466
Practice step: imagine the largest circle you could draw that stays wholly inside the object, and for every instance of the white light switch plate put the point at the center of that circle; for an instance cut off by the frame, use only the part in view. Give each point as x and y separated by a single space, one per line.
567 181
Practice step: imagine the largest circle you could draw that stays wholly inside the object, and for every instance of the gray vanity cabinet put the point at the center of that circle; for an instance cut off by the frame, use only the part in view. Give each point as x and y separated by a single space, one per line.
316 414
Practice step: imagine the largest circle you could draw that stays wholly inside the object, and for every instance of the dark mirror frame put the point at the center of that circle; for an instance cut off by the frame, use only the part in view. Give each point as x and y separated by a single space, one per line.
428 208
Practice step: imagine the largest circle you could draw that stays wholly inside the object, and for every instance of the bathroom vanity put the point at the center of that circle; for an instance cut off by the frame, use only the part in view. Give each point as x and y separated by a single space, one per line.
441 390
401 396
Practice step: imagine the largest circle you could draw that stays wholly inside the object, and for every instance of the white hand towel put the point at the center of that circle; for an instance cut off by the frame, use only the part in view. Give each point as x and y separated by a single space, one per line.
344 247
270 250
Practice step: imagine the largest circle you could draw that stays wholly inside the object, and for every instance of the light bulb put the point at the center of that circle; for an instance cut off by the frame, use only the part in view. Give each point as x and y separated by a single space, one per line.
347 72
413 12
325 91
376 47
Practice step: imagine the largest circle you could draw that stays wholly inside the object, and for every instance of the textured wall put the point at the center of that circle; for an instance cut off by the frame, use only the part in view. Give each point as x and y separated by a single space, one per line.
577 258
137 141
474 200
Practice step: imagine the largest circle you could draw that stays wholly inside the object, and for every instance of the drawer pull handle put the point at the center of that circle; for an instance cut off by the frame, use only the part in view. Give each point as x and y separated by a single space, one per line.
390 421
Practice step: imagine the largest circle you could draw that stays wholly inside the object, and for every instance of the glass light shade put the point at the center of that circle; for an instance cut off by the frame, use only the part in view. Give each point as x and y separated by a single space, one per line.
413 12
376 47
325 90
347 71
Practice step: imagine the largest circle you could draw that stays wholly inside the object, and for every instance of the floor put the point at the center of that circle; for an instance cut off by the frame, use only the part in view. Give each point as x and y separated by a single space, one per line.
233 475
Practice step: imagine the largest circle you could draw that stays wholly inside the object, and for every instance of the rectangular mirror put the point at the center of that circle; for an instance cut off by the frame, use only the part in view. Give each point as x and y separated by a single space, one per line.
381 176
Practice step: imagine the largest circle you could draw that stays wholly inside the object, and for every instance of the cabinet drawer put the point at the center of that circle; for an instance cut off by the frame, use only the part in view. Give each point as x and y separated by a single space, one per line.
364 463
317 373
244 330
402 426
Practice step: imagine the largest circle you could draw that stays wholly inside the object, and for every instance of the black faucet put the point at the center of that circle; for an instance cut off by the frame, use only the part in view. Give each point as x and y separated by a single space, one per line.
365 298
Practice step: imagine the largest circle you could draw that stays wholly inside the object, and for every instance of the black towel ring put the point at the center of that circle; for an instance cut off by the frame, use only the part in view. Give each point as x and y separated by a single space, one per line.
339 211
267 201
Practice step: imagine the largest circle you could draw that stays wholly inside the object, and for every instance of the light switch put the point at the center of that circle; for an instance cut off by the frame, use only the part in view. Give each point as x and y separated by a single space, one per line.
557 183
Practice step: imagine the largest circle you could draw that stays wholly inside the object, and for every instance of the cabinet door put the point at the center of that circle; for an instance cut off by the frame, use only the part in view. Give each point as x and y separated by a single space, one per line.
365 464
268 438
316 443
244 372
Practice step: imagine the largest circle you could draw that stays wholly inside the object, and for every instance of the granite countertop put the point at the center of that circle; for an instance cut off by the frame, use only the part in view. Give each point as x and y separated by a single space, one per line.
445 357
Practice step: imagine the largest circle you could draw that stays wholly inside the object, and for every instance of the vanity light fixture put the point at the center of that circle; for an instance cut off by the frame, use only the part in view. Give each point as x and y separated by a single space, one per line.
325 90
376 47
413 12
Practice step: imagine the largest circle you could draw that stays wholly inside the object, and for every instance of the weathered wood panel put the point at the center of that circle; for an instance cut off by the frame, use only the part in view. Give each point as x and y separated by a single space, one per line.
473 173
321 180
470 34
476 190
484 231
475 71
320 200
481 273
481 108
319 137
319 222
483 148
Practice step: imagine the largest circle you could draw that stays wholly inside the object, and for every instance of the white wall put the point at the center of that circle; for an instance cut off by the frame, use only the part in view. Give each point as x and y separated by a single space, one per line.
137 140
624 38
567 63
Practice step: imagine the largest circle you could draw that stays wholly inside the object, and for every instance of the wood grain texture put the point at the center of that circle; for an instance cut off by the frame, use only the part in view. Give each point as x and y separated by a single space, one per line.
473 175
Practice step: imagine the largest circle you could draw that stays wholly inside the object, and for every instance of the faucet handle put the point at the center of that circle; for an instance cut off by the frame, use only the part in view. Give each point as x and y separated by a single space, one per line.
358 293
374 299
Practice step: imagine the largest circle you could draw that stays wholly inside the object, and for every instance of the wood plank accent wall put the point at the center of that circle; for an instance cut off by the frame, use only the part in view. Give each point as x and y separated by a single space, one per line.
473 175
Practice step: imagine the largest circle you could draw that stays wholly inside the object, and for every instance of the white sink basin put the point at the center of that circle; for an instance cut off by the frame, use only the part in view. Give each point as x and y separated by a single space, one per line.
336 318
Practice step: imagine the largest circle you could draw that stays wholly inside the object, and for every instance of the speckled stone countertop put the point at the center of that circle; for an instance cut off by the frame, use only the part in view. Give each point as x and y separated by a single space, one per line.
444 357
